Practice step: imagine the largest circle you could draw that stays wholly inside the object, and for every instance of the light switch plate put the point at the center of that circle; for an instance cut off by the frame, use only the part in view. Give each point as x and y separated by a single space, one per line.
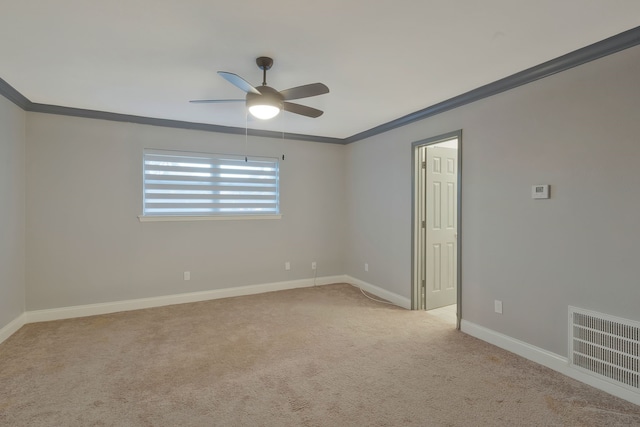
540 191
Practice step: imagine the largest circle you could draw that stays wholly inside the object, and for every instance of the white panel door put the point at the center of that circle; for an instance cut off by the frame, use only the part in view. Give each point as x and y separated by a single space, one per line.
441 228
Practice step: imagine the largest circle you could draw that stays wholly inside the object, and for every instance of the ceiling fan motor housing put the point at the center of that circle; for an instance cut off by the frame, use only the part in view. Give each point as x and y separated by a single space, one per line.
268 96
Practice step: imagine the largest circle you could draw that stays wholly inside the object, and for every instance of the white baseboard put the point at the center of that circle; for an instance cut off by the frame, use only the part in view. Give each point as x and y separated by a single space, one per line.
521 348
379 292
12 327
137 304
546 358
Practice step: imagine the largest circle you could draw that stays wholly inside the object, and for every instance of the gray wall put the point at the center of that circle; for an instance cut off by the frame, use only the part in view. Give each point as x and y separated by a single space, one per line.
85 244
12 212
578 131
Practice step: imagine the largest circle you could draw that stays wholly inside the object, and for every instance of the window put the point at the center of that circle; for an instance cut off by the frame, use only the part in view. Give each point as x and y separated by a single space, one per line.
183 184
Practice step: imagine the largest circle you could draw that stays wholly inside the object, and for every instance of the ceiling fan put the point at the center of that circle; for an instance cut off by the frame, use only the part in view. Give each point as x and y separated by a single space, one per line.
264 102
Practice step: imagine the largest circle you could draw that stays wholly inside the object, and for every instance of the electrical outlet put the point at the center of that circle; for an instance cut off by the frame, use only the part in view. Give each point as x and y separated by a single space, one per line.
498 306
366 266
187 275
287 265
313 265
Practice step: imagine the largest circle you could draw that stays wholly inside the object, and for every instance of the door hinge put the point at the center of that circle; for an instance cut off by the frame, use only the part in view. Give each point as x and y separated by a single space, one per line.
424 165
424 224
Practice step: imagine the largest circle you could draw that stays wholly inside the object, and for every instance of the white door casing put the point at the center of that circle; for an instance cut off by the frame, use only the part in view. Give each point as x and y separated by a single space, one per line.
421 235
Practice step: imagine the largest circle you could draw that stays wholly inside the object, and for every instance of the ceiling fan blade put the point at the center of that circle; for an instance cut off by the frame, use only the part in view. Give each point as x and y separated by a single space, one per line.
239 82
214 101
305 91
302 110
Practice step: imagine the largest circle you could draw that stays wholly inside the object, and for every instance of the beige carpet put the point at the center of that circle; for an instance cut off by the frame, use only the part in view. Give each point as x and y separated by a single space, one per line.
324 356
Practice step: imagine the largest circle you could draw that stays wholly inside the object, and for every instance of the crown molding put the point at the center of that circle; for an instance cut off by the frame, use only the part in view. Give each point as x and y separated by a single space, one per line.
13 95
177 124
578 57
581 56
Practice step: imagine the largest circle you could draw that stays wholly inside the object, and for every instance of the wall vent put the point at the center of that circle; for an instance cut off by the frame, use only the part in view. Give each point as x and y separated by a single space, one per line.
605 346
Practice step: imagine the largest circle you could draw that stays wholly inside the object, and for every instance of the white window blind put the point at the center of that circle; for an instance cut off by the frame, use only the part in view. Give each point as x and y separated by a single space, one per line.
201 184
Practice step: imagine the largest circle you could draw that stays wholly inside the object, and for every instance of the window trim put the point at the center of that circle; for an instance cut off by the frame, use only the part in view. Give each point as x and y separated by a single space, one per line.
159 218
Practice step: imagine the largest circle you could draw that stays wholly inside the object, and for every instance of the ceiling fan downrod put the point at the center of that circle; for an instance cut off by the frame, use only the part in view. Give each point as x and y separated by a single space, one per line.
264 63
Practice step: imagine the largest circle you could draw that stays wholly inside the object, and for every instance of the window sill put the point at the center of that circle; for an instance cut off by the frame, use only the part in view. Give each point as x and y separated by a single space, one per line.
143 218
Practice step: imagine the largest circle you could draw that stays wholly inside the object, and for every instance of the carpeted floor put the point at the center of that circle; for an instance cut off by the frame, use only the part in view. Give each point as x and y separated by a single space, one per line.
323 356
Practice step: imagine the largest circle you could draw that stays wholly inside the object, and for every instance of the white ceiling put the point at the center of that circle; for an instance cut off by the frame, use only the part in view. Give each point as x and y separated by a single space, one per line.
381 59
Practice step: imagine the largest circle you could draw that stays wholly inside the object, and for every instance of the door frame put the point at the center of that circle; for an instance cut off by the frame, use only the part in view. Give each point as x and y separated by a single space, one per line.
415 227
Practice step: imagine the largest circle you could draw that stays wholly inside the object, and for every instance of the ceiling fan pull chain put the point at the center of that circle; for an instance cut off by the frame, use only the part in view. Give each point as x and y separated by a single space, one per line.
283 127
246 135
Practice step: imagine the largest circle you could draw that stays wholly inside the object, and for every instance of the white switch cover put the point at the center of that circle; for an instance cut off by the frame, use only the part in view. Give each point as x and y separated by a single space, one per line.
498 306
187 275
366 266
287 265
540 191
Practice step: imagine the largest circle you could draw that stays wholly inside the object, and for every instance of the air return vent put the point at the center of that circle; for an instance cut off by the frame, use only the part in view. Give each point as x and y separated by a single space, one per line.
605 346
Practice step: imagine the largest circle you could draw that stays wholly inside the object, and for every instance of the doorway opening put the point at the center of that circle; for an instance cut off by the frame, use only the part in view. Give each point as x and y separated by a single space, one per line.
436 226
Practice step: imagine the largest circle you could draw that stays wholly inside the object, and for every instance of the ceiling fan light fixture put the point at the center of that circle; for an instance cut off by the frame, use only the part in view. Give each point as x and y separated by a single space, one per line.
264 111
